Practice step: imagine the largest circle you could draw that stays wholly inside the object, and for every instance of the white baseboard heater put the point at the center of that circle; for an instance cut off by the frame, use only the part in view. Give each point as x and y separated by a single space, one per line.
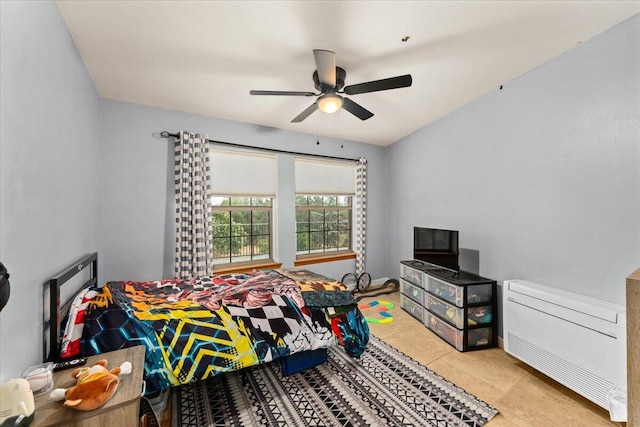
577 340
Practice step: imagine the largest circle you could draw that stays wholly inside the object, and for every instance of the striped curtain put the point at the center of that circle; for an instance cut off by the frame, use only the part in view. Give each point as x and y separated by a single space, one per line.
194 240
361 214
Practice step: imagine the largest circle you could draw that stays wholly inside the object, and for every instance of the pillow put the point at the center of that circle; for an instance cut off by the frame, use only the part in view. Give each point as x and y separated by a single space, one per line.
75 323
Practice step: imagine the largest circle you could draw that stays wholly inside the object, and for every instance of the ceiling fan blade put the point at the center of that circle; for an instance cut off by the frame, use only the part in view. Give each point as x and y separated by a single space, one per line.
378 85
306 113
356 109
326 66
281 92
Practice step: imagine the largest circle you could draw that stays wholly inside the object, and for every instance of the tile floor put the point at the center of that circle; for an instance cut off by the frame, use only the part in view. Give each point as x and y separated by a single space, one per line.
523 396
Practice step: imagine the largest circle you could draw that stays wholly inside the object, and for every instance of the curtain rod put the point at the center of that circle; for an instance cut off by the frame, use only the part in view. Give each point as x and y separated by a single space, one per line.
166 134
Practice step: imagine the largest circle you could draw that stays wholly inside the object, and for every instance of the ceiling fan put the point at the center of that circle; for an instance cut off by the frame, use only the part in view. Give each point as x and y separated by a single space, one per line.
329 80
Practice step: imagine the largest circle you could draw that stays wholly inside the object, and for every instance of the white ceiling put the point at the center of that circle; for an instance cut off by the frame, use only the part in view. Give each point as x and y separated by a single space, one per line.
203 57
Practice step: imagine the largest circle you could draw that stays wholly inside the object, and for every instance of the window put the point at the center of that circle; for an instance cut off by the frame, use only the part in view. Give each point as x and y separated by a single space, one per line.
241 229
243 184
324 214
323 224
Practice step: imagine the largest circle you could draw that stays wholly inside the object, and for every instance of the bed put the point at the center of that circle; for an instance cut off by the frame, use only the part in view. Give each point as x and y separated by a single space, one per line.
193 329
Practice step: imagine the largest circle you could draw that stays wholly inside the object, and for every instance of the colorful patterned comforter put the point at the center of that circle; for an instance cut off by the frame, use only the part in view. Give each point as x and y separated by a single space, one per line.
193 329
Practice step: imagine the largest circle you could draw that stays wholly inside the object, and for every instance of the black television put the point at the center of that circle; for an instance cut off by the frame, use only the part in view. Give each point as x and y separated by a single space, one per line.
437 247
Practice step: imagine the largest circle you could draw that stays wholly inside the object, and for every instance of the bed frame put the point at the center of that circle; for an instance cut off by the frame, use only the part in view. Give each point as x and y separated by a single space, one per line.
59 309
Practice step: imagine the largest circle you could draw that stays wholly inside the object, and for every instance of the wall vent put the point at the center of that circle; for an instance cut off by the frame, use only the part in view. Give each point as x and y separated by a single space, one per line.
566 373
577 340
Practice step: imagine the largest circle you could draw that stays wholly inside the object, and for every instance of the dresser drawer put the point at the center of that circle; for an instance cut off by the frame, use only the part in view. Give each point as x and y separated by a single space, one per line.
478 315
447 332
412 275
412 307
455 294
477 337
452 314
415 293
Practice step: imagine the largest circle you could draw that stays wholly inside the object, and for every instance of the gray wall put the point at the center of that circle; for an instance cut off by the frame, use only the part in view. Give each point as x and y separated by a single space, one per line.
49 168
138 200
541 177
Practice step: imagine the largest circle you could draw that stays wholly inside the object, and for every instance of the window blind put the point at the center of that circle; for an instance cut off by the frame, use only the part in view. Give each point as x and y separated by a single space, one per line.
324 177
240 173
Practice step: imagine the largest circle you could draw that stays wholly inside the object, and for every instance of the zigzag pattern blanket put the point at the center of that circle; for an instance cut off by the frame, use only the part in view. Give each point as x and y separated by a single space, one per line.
194 329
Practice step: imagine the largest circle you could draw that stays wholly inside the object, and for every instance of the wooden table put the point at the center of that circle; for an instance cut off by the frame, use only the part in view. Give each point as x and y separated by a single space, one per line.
121 410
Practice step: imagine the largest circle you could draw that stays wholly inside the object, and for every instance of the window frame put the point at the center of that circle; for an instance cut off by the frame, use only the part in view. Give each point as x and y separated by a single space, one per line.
325 255
230 208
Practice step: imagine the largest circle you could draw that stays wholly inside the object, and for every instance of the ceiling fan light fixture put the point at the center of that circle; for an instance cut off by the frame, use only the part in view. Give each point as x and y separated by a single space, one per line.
329 82
330 103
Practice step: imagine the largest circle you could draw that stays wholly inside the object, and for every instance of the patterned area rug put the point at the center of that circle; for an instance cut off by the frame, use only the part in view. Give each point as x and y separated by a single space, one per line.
383 387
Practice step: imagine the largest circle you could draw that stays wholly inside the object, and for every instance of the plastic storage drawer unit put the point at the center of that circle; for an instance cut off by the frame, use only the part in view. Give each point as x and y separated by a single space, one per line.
458 306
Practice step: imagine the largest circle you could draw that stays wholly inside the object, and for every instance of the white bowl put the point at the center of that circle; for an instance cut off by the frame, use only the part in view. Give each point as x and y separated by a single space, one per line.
39 377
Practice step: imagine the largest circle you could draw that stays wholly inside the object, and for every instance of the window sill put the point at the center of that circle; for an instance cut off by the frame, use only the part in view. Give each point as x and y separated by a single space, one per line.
316 259
248 266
